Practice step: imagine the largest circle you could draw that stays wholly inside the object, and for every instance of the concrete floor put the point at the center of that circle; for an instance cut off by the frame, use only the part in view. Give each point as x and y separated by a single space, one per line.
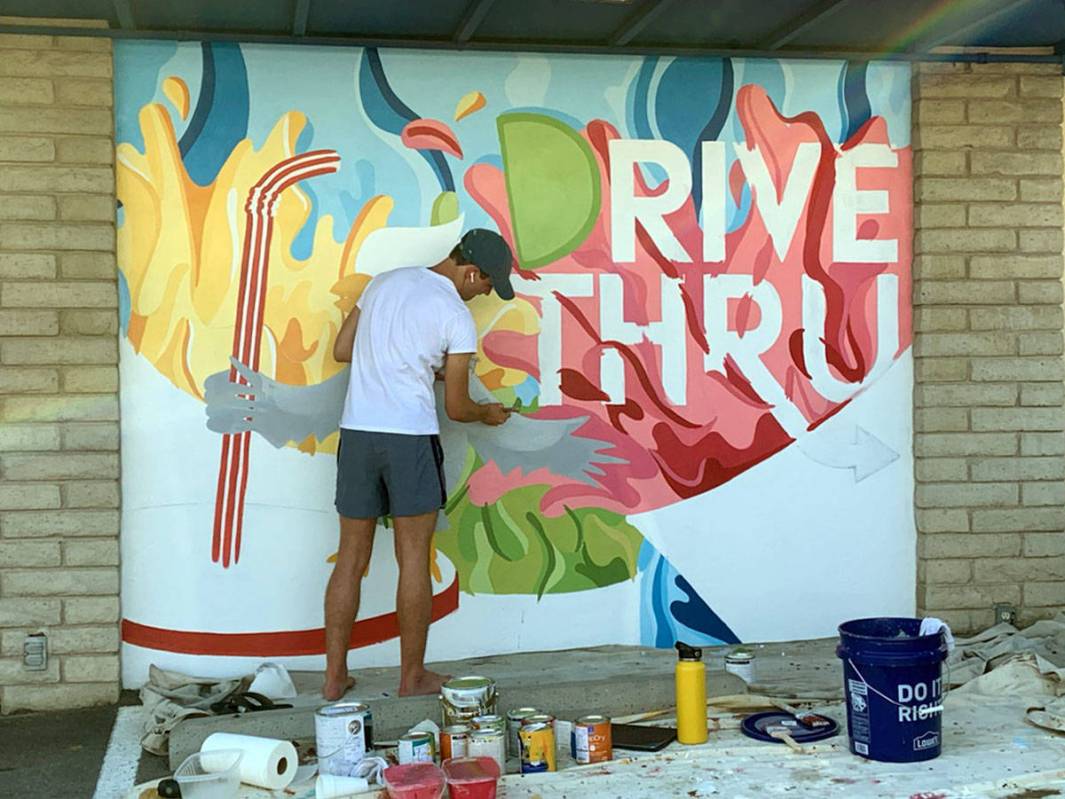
59 754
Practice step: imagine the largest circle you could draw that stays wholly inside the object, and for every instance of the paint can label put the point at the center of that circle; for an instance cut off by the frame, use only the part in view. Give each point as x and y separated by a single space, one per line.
489 743
454 741
343 735
592 740
416 747
741 663
537 748
515 718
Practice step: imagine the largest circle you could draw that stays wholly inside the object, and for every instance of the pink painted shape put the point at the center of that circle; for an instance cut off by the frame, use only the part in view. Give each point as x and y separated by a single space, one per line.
430 134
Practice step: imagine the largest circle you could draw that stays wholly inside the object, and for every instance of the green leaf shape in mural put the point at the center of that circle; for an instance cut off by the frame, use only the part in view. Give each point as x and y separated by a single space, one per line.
552 186
510 547
445 208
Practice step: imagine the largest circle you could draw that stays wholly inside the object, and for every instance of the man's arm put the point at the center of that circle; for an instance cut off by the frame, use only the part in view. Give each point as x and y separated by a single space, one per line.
457 402
345 340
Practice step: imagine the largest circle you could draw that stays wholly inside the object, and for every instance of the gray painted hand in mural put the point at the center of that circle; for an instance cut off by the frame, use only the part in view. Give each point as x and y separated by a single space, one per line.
283 413
279 412
534 443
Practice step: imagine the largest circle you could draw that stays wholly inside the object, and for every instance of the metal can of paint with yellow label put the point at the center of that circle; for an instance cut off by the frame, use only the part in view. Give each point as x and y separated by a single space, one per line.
539 718
537 748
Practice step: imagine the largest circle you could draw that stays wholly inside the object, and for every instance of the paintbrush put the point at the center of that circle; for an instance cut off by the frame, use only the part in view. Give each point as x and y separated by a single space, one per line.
780 732
806 718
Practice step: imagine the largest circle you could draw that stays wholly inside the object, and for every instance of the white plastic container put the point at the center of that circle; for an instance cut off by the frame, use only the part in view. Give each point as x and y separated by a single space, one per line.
210 775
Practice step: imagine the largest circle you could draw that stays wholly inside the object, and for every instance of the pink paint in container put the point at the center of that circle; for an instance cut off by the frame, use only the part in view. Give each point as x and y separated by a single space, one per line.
472 777
414 781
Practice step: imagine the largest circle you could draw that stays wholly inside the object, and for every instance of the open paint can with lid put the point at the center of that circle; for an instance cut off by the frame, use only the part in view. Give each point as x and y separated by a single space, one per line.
462 699
741 663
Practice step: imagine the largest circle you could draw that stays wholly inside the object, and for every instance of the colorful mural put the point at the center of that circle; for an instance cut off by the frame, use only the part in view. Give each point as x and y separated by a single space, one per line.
709 346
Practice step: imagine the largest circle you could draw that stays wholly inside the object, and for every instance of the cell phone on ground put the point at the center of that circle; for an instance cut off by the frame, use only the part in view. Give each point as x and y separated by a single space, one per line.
641 739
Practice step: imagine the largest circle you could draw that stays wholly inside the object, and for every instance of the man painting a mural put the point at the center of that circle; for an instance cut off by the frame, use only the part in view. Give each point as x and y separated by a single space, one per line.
407 325
708 310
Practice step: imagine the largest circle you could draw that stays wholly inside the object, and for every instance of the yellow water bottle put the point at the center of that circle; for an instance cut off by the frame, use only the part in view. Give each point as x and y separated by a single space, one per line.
691 695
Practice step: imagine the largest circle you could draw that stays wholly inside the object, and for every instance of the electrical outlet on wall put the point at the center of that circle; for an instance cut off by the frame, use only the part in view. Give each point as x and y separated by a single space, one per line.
1005 613
35 652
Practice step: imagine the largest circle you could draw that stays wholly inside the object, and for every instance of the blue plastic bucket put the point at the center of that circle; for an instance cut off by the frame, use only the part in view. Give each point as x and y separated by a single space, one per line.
892 678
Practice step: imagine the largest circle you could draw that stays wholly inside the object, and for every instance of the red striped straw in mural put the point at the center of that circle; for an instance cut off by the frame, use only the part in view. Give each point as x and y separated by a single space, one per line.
247 334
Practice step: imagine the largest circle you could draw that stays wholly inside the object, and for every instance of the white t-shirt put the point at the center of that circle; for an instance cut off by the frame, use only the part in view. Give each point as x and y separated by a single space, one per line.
409 319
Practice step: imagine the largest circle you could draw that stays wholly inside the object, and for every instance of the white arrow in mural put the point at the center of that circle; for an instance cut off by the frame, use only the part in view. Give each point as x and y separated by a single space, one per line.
864 452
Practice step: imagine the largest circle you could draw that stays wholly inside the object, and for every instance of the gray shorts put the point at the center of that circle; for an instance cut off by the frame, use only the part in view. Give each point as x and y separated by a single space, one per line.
388 474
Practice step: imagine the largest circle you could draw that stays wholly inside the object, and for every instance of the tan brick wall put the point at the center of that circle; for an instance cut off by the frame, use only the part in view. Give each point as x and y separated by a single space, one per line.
988 400
59 493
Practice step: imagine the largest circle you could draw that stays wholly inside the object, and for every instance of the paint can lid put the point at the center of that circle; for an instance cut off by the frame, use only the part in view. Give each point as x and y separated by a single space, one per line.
758 726
468 691
342 709
538 718
739 656
594 719
519 713
529 729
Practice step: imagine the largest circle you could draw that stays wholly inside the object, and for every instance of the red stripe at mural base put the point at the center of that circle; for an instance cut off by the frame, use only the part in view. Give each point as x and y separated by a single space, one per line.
287 643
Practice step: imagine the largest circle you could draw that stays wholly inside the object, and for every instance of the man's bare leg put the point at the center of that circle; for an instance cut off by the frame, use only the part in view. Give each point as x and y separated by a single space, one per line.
414 603
342 601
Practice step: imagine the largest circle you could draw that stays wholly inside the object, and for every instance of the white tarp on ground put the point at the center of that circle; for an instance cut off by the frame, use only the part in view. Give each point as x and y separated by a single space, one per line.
991 744
988 751
1000 740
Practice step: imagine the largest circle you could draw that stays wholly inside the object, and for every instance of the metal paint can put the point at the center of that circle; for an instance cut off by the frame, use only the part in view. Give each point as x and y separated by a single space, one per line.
489 743
454 741
343 734
515 718
537 748
741 663
416 747
592 741
489 721
464 698
539 718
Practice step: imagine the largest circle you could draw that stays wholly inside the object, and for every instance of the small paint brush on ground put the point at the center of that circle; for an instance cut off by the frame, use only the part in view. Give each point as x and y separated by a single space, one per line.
781 733
806 718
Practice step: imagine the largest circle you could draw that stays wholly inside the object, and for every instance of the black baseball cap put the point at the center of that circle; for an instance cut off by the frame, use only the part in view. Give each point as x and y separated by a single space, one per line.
490 253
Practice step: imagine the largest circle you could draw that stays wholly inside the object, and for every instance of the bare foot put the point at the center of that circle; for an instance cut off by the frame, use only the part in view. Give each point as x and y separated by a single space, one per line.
335 689
427 682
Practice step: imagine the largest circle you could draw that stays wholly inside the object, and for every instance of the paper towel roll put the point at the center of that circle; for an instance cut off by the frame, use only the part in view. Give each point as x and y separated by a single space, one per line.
267 762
